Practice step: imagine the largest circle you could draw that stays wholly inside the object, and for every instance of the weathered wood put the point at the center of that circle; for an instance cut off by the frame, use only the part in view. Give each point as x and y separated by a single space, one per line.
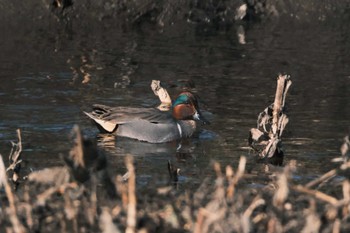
271 123
162 93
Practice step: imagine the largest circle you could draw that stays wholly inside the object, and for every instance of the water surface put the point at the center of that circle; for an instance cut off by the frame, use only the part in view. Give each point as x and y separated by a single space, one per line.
43 94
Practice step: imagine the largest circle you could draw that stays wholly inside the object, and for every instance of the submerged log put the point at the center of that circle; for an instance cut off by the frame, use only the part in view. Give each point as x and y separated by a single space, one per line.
266 138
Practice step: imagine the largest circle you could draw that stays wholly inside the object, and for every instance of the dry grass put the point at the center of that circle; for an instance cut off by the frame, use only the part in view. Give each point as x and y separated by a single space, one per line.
82 196
56 200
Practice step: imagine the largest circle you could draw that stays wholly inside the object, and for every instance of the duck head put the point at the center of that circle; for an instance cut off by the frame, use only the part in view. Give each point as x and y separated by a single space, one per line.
185 107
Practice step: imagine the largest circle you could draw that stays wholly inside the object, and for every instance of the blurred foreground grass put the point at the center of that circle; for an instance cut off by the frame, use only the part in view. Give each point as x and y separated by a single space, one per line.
82 197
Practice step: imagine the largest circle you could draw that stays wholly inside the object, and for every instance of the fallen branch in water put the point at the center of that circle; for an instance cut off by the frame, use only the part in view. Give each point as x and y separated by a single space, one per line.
266 138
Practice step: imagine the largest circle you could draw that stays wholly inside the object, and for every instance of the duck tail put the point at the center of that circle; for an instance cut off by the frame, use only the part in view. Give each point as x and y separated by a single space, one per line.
103 125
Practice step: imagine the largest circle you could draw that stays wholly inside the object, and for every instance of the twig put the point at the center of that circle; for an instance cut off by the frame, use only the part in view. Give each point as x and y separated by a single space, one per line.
106 222
131 218
249 211
173 172
44 196
202 213
312 219
77 154
330 174
15 158
237 177
336 226
346 198
16 224
317 194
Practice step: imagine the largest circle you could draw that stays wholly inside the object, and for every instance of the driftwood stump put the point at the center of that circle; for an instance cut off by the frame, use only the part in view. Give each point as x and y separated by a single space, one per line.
265 139
162 93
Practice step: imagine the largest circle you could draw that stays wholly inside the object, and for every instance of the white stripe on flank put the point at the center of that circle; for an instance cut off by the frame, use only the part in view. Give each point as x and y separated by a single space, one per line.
179 128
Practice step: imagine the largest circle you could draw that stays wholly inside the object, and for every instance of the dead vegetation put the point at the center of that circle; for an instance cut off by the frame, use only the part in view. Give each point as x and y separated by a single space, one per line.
83 197
265 139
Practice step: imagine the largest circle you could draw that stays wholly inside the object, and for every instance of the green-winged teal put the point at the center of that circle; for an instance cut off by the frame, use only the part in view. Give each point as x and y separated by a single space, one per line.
150 124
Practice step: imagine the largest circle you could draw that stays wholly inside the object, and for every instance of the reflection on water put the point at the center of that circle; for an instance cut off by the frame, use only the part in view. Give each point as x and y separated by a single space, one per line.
154 157
45 87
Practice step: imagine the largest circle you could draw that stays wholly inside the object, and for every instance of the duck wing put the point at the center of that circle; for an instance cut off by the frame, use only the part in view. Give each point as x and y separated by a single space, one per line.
123 115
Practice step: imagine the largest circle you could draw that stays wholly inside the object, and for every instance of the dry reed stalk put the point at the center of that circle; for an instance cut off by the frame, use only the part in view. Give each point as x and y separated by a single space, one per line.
282 191
346 195
345 147
274 225
173 173
106 222
336 226
206 217
246 226
271 225
44 196
70 210
55 176
345 166
92 209
131 216
317 194
16 224
313 221
122 189
77 154
328 175
216 208
15 158
213 217
239 174
200 219
28 208
217 169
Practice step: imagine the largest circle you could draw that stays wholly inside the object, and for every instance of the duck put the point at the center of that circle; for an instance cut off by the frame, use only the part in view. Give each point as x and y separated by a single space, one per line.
150 124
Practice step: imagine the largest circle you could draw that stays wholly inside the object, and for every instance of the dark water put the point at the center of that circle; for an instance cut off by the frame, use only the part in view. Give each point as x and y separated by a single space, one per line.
41 89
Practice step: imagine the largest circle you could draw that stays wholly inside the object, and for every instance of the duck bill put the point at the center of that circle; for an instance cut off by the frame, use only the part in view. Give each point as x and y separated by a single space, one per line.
199 117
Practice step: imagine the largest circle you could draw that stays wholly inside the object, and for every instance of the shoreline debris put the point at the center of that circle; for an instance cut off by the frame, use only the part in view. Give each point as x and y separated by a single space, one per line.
265 139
